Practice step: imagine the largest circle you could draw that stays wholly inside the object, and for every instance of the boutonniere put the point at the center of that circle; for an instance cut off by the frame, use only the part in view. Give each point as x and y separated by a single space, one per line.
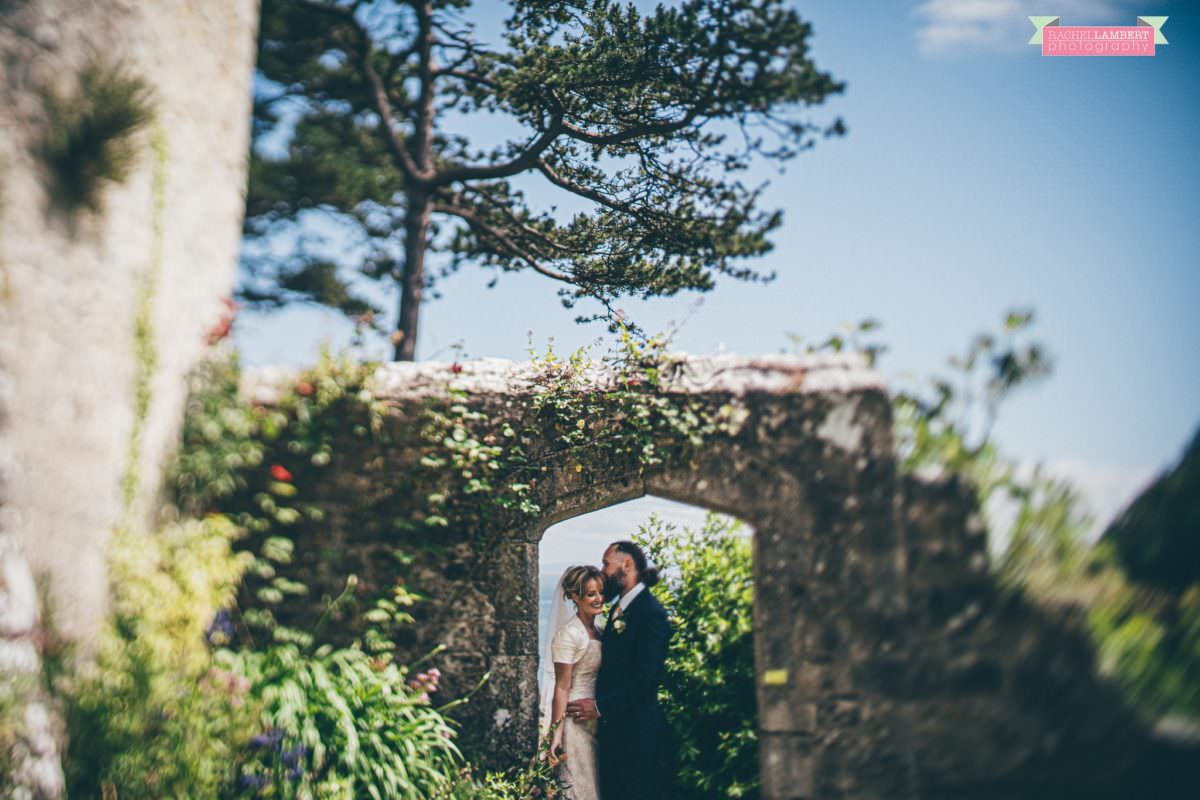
618 624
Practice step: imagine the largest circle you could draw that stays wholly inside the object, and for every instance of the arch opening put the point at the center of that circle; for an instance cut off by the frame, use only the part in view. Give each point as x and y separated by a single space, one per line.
708 693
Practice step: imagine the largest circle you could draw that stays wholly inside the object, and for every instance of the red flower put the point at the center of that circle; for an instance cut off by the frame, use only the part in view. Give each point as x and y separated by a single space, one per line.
280 473
305 388
456 367
224 323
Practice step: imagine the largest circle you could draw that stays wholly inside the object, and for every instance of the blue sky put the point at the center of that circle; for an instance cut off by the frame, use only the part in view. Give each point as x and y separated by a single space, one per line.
976 176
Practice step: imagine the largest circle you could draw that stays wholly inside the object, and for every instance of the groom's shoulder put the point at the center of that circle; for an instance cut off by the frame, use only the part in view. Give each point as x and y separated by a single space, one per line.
653 604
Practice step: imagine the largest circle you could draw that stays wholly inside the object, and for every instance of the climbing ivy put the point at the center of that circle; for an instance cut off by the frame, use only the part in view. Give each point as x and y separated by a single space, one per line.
457 468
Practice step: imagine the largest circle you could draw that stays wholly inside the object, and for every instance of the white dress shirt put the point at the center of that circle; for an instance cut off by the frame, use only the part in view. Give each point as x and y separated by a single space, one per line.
627 598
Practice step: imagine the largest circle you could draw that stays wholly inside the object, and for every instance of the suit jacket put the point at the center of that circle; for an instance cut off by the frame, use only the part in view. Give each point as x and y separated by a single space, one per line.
631 670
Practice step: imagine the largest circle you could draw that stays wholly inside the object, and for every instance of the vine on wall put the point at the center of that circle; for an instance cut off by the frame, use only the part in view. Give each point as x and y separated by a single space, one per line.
463 471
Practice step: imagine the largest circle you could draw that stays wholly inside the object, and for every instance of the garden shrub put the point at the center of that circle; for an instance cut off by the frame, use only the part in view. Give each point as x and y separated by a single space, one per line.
340 723
152 716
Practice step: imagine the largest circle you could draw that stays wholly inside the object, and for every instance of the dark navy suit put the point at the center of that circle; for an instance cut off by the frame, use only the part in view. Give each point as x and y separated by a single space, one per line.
632 726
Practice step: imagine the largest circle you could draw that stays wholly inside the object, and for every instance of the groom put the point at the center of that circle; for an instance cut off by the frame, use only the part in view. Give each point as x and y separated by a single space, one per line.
634 652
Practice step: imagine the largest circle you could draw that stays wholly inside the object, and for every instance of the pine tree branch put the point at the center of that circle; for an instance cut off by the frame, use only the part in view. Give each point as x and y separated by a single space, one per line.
526 160
582 191
396 144
469 77
481 226
525 228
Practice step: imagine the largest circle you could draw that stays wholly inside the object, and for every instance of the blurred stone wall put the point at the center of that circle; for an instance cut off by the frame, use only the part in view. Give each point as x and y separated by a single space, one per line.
72 284
89 410
1003 691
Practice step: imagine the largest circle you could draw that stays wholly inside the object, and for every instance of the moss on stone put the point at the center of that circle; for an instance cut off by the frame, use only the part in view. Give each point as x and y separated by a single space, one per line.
145 348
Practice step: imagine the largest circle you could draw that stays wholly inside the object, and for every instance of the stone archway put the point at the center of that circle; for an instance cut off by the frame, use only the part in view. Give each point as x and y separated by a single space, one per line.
812 470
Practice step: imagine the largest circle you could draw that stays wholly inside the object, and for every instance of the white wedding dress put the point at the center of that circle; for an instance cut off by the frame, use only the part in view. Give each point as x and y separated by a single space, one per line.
572 645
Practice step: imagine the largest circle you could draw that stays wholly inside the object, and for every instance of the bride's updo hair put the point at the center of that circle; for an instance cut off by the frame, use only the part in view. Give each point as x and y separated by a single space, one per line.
575 580
646 574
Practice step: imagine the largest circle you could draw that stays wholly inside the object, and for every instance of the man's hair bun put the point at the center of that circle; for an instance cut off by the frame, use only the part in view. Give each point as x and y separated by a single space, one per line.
646 574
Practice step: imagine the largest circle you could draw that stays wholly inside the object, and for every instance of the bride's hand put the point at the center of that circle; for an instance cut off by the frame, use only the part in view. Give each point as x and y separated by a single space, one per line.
555 746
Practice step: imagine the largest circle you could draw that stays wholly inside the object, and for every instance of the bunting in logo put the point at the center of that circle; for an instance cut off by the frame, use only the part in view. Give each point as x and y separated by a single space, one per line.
1098 40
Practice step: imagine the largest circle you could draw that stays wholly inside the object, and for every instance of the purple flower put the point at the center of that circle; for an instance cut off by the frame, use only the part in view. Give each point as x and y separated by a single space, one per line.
252 781
293 757
269 738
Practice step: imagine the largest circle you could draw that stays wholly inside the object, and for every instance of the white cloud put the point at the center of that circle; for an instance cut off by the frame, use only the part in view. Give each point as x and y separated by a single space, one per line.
957 26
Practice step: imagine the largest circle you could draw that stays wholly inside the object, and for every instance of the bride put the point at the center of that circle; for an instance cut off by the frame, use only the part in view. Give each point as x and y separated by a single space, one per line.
569 666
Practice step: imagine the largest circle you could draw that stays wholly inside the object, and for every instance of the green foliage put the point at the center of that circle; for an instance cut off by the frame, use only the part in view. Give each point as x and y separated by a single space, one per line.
152 717
481 466
709 691
536 778
15 691
222 438
645 119
159 714
89 137
1151 644
1146 612
342 724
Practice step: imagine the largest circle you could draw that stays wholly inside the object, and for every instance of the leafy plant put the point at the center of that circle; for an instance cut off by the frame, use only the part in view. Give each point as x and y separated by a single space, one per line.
340 723
536 779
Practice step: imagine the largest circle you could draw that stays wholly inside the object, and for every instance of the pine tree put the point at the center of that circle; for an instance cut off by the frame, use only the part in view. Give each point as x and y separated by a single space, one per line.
644 119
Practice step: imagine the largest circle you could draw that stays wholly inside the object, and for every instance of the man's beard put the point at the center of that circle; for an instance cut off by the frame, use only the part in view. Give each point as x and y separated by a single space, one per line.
612 586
